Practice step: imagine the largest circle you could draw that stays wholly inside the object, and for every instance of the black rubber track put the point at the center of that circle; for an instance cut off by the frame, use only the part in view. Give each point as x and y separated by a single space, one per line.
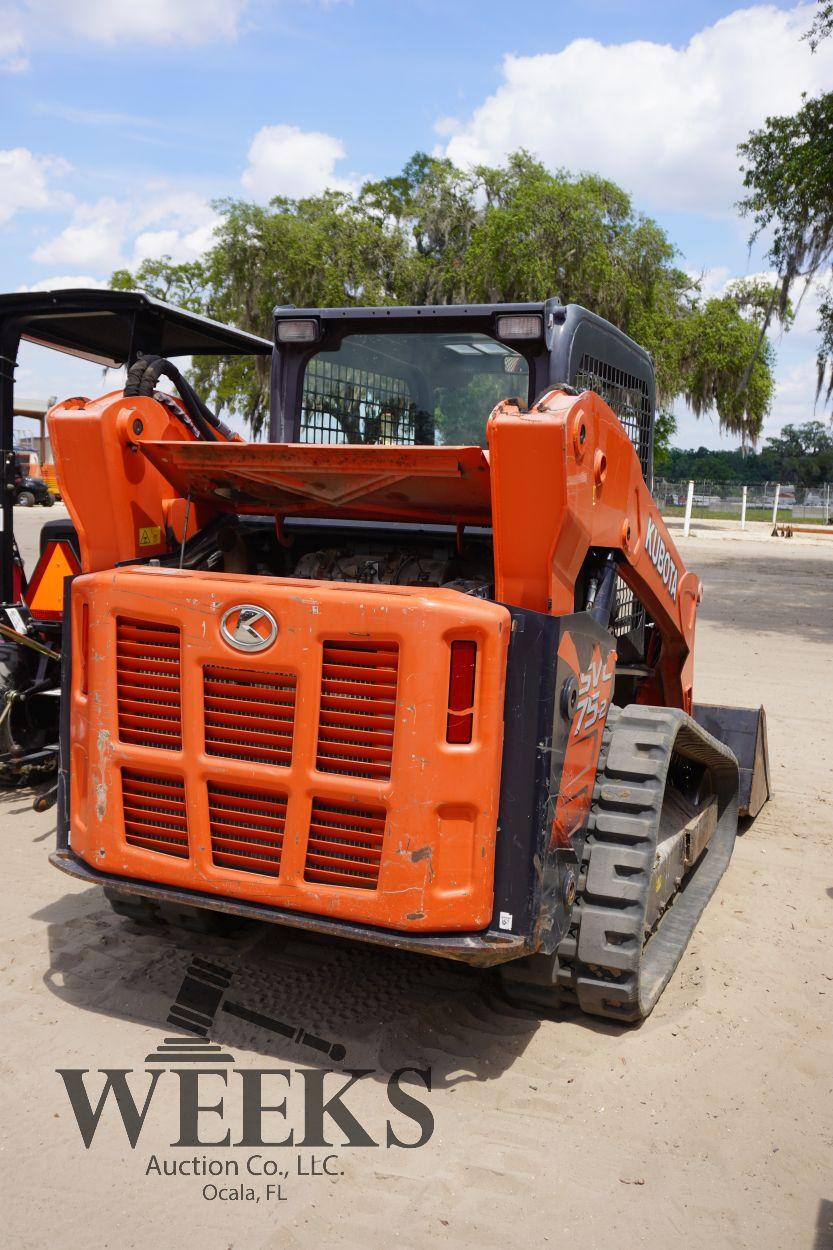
150 914
605 965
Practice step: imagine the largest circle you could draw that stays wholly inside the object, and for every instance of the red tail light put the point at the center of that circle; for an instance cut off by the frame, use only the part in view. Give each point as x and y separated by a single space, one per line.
461 692
85 648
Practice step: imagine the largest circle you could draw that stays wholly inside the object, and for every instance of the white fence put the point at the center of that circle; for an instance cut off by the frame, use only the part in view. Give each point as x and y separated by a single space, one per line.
725 501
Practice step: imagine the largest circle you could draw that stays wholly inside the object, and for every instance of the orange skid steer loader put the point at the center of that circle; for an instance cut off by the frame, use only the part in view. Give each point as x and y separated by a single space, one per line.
410 673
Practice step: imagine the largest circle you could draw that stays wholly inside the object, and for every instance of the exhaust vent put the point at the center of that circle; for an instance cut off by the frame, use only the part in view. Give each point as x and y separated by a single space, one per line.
154 813
247 829
148 683
358 702
249 715
345 844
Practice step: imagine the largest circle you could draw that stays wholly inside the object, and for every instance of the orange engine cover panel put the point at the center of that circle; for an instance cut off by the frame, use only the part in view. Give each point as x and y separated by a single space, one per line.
313 775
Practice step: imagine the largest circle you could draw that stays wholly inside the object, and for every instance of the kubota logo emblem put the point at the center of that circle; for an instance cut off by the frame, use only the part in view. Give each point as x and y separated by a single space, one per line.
660 557
247 627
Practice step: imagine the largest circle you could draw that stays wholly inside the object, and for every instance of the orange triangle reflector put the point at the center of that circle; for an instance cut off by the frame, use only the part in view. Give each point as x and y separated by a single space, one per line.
45 592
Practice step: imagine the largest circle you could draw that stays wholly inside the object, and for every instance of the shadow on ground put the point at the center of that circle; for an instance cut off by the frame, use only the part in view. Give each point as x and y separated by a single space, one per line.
388 1009
824 1226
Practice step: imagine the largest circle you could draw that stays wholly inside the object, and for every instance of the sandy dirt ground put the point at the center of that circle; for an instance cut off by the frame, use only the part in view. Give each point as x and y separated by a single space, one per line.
711 1125
27 527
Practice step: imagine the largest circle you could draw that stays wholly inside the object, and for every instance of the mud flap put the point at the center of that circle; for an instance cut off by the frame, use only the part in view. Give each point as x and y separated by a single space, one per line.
743 730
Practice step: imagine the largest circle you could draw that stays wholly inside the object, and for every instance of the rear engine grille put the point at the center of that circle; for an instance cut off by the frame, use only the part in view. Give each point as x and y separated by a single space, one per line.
247 829
148 680
345 844
154 813
358 702
249 715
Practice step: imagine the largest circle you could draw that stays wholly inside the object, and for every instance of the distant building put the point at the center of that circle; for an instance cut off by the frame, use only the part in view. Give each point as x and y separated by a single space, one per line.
34 410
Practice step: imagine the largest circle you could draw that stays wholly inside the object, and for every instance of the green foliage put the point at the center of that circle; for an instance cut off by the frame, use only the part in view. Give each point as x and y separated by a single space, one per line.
324 251
801 455
756 298
665 427
183 285
824 356
438 234
787 172
822 24
810 439
719 343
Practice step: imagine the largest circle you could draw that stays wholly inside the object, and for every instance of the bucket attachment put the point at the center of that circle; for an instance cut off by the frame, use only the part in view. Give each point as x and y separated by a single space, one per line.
743 730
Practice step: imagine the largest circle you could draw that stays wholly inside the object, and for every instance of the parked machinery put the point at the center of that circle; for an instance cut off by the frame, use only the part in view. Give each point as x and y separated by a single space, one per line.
410 673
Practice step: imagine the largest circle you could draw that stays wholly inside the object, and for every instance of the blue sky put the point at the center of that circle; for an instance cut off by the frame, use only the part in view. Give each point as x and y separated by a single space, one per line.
120 123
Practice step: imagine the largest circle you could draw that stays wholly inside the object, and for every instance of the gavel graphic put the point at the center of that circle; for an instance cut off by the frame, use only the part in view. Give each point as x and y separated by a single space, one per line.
201 996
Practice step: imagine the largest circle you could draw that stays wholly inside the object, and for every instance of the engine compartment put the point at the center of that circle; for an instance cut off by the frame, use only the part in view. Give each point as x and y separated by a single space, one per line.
369 553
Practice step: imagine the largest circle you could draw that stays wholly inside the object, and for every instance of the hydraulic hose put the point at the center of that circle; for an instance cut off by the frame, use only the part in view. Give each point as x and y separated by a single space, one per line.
143 377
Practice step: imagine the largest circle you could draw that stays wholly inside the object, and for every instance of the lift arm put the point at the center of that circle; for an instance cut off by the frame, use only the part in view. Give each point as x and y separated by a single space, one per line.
566 479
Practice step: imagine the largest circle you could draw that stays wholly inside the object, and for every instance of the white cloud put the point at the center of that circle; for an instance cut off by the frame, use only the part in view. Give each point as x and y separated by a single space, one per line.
183 226
794 401
93 238
12 57
109 22
284 160
712 281
66 282
662 121
24 181
151 244
153 21
111 233
795 394
447 126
